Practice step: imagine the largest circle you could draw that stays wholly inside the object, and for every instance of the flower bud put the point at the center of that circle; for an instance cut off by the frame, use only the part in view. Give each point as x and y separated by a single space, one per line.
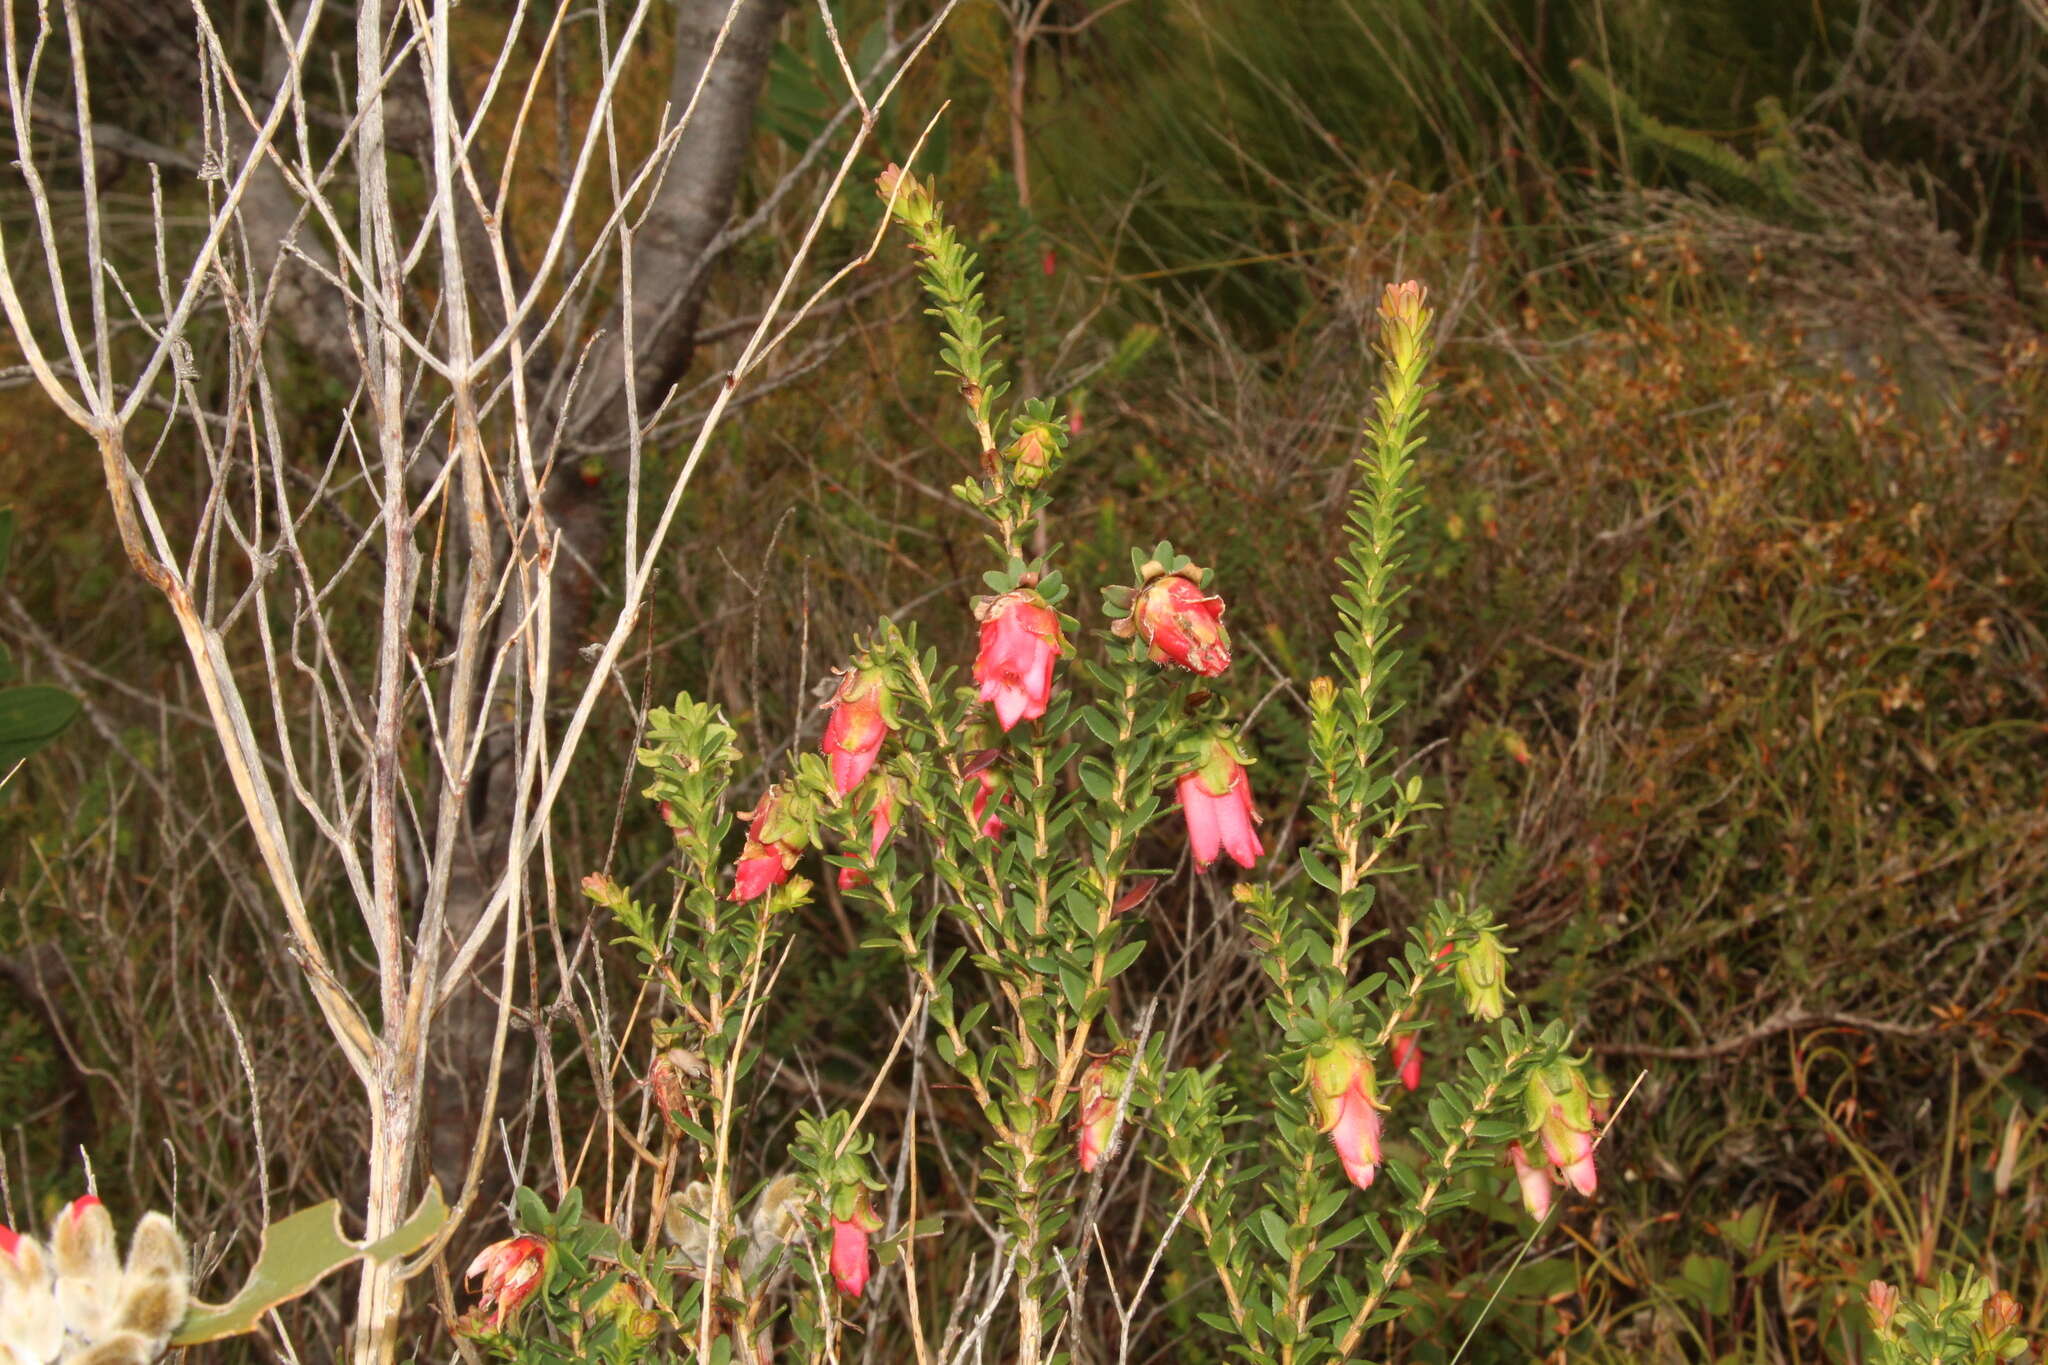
1482 972
628 1312
30 1325
1407 1060
913 203
155 1288
1995 1322
87 1267
1034 454
1102 1085
1883 1302
1345 1095
1403 322
1216 799
988 822
881 819
1020 639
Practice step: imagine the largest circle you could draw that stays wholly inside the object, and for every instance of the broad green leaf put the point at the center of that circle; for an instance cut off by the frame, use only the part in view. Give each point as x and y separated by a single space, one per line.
296 1254
31 717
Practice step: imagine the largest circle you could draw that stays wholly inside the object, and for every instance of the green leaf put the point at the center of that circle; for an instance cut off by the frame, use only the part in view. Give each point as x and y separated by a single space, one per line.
1319 871
1274 1230
296 1254
1708 1281
31 717
1122 958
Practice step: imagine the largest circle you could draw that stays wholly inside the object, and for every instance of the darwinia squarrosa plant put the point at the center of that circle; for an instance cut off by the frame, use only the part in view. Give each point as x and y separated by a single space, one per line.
988 820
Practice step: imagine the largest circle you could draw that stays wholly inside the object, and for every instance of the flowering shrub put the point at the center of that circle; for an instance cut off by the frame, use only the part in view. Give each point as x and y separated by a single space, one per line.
995 830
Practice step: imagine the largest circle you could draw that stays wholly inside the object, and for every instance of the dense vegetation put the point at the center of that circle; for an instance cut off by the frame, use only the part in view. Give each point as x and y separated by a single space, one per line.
1726 657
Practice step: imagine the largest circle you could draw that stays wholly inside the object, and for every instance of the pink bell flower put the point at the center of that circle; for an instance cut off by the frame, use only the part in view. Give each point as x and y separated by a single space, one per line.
1345 1095
1216 798
863 714
774 841
1559 1107
850 1261
1534 1182
1020 638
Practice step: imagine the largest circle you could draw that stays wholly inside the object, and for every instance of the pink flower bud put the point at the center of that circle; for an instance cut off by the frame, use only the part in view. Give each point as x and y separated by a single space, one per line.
1345 1096
511 1271
863 713
1032 456
774 841
1182 624
987 821
1408 1060
881 819
1535 1183
2000 1314
1883 1301
9 1240
1216 798
914 207
1020 638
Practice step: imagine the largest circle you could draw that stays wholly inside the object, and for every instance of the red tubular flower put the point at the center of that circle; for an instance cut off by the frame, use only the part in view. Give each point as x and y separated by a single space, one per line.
1102 1085
881 819
1408 1060
863 714
1535 1183
1216 798
511 1271
1345 1095
773 843
850 1243
1020 638
1182 624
